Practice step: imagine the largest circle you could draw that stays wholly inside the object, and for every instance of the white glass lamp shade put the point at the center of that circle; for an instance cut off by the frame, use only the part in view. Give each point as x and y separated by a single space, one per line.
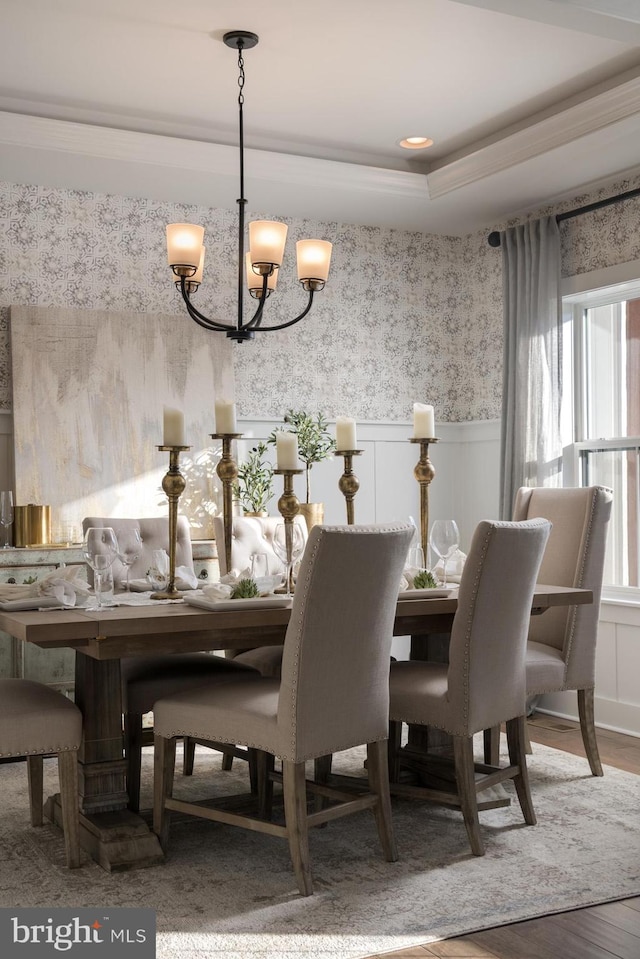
197 276
184 246
254 280
266 243
314 257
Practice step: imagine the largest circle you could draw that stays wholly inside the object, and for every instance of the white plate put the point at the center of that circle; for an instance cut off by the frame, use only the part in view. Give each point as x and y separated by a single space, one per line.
35 602
434 593
257 602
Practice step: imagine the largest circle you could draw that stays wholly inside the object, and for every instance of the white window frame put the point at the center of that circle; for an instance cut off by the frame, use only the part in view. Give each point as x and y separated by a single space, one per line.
601 287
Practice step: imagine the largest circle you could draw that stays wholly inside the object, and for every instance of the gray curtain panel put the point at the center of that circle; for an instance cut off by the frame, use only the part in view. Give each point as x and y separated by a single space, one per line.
531 447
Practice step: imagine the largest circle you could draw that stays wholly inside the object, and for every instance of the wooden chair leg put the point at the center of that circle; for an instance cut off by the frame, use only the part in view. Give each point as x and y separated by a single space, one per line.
133 754
188 756
516 741
378 770
295 811
164 764
68 777
466 783
588 729
492 746
394 745
265 763
321 773
527 741
227 762
35 780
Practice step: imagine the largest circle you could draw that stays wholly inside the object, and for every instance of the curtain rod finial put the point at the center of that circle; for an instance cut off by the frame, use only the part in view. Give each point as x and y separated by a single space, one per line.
494 238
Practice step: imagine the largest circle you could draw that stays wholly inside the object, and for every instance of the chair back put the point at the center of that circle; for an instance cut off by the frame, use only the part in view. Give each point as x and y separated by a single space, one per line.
154 532
574 556
486 677
249 535
334 692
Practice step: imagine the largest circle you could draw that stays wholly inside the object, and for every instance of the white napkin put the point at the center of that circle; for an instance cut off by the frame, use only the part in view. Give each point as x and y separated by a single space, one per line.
186 578
66 585
406 580
455 565
223 589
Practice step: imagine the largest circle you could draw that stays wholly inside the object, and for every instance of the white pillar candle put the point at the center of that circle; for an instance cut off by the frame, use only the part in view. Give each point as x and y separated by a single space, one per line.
423 422
225 417
345 433
287 451
173 427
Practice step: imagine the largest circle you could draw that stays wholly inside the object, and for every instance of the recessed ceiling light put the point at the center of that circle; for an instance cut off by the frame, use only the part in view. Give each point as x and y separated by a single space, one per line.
416 143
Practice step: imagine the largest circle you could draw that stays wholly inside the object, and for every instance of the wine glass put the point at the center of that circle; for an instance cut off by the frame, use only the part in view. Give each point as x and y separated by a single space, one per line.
131 551
6 513
415 557
99 548
288 545
444 541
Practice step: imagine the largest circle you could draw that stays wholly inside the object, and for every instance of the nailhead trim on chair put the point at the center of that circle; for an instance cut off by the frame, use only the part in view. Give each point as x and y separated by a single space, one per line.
467 639
41 752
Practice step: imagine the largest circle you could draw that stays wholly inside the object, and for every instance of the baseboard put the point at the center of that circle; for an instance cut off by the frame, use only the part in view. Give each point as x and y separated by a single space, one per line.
618 717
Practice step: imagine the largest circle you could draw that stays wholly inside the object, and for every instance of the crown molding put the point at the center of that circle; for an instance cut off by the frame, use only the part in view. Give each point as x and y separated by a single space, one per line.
82 139
573 123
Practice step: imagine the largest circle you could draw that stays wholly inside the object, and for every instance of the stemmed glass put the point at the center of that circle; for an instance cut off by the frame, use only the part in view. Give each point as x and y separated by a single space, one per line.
130 553
6 513
99 548
444 541
288 545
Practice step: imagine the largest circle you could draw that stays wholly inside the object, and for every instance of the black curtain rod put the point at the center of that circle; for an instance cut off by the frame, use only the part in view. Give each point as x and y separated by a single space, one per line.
494 237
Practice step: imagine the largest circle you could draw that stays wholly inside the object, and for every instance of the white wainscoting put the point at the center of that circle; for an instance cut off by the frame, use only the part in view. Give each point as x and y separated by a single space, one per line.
465 486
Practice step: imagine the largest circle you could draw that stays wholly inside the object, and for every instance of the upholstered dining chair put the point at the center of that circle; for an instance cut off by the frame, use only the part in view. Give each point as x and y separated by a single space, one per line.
37 721
333 694
484 682
147 678
562 642
251 535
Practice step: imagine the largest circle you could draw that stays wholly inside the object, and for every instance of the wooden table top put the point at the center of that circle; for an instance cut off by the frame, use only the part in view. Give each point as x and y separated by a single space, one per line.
136 630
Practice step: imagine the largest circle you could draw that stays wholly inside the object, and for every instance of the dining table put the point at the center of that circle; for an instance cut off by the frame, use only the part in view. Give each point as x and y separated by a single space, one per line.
113 835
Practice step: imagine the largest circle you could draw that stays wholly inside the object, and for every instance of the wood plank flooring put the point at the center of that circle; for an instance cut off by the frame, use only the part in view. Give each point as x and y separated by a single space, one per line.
609 931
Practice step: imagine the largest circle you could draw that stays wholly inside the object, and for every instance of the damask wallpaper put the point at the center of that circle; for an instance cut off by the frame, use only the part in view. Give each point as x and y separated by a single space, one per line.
405 316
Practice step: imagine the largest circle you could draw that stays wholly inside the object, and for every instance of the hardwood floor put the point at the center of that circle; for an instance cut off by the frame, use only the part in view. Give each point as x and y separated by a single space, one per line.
609 931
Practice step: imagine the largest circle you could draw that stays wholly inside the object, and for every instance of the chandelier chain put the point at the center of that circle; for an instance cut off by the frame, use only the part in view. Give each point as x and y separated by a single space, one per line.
241 77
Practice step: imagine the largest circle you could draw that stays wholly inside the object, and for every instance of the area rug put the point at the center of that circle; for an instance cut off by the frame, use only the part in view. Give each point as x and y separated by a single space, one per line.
227 892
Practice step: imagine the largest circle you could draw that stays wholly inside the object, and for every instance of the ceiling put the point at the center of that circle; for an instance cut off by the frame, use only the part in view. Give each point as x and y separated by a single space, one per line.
139 97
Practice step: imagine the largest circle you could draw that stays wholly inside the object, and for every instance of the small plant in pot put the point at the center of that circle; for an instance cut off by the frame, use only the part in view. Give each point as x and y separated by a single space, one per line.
254 486
315 444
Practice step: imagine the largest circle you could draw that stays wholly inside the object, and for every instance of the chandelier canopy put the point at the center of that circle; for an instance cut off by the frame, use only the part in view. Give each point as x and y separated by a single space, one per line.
185 247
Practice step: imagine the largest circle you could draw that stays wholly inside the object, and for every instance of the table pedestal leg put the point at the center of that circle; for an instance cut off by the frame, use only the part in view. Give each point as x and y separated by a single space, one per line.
112 835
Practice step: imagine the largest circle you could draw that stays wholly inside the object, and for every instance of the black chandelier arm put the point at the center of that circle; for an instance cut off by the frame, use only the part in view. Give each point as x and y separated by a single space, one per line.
256 319
283 326
200 318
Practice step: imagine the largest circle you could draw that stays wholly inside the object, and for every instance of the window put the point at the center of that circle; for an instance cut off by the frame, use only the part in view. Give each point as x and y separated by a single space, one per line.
601 411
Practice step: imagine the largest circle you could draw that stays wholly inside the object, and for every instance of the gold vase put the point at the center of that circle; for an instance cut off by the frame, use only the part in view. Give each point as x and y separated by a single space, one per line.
313 514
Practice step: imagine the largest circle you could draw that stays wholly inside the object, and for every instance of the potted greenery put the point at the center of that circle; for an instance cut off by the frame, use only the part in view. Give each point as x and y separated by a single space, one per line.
254 485
314 445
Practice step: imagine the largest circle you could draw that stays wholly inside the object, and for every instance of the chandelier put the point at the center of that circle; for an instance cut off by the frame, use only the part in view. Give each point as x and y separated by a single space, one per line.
185 247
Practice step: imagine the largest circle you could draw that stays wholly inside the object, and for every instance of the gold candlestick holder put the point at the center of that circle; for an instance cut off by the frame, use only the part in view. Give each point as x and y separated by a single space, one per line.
349 484
288 507
227 471
424 473
173 483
